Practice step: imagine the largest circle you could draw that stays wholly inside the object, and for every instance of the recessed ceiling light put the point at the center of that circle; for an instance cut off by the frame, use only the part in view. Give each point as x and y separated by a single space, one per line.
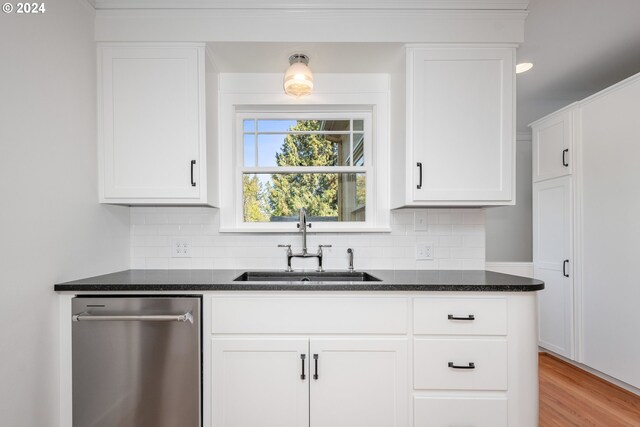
523 66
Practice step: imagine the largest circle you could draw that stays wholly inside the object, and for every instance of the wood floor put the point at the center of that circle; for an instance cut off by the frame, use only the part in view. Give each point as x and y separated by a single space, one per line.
572 397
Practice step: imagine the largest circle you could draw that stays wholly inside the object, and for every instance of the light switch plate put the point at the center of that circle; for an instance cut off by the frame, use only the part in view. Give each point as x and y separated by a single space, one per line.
424 251
420 221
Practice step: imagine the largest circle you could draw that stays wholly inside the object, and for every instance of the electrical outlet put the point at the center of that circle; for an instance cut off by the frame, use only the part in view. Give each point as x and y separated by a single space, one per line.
181 248
424 251
420 221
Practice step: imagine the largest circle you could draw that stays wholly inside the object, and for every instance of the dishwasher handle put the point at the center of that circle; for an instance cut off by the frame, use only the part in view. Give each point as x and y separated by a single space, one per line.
83 317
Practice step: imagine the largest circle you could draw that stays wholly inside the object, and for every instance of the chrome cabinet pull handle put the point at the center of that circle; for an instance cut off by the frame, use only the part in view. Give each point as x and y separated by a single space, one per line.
564 157
419 165
471 365
302 357
564 268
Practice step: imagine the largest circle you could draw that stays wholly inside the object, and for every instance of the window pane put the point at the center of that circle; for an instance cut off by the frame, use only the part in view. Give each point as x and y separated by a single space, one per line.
249 150
276 125
325 197
303 150
288 125
358 149
249 125
358 125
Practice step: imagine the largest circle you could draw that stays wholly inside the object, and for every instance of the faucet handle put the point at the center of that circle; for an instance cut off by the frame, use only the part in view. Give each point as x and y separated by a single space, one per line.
285 246
322 246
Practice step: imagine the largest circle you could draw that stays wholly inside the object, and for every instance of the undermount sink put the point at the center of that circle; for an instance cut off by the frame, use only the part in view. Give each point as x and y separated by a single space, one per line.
305 276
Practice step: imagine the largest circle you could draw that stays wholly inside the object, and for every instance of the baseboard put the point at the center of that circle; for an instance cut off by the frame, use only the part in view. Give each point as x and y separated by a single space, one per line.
602 376
524 269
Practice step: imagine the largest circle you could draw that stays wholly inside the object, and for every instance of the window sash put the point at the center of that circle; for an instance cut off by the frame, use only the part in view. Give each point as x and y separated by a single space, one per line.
366 168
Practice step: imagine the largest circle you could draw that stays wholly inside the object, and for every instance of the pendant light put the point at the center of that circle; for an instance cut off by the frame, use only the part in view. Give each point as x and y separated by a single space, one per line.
298 80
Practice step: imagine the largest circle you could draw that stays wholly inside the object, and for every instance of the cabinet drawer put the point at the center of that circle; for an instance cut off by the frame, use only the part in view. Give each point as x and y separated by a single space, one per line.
432 358
460 411
309 315
441 316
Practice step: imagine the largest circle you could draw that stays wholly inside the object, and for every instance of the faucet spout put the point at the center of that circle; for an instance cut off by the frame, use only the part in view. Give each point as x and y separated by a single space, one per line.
302 225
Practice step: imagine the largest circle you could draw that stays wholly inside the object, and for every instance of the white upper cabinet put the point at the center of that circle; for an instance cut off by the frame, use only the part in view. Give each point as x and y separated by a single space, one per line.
151 127
552 145
460 135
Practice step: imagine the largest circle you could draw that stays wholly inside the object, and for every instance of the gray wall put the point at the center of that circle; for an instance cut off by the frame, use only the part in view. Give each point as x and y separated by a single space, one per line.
509 237
52 226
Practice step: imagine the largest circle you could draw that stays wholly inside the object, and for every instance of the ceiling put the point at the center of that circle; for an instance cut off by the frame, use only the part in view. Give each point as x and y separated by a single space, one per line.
579 47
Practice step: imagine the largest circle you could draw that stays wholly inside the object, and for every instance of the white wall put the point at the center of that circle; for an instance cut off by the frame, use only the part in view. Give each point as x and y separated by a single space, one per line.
509 228
458 236
52 228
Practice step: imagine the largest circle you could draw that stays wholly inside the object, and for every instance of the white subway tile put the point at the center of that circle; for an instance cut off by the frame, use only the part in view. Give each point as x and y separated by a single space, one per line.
450 241
440 230
449 264
178 218
402 218
205 219
138 263
157 263
404 264
155 218
441 253
144 230
168 230
473 264
180 263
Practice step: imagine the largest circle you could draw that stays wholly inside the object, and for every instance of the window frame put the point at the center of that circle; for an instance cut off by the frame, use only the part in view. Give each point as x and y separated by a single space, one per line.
351 113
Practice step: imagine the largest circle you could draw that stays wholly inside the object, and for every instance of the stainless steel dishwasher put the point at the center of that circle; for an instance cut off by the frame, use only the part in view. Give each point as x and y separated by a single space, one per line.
136 361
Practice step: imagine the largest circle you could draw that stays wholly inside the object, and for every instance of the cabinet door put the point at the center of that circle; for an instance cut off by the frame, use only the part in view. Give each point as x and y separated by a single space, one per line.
552 261
150 123
360 382
258 382
460 124
552 147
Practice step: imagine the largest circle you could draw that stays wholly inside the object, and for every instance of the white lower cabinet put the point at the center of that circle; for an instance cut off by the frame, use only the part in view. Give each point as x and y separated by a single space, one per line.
460 411
318 382
363 360
460 364
360 382
256 382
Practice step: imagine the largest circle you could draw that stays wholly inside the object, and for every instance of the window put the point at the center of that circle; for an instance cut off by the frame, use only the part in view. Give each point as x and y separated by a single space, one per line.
317 161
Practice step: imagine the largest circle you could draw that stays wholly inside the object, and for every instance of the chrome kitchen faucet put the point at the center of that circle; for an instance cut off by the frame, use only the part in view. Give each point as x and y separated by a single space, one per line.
302 226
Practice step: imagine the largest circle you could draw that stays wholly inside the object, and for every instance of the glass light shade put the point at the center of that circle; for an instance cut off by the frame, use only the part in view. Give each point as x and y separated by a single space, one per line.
523 67
298 80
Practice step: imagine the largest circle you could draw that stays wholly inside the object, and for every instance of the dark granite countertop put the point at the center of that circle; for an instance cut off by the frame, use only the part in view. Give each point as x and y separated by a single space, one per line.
222 280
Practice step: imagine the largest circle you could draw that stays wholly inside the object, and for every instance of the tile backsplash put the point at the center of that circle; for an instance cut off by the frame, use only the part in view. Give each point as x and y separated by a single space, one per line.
457 235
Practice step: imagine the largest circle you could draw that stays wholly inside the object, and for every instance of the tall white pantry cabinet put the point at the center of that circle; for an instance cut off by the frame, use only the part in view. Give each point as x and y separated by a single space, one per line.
586 230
